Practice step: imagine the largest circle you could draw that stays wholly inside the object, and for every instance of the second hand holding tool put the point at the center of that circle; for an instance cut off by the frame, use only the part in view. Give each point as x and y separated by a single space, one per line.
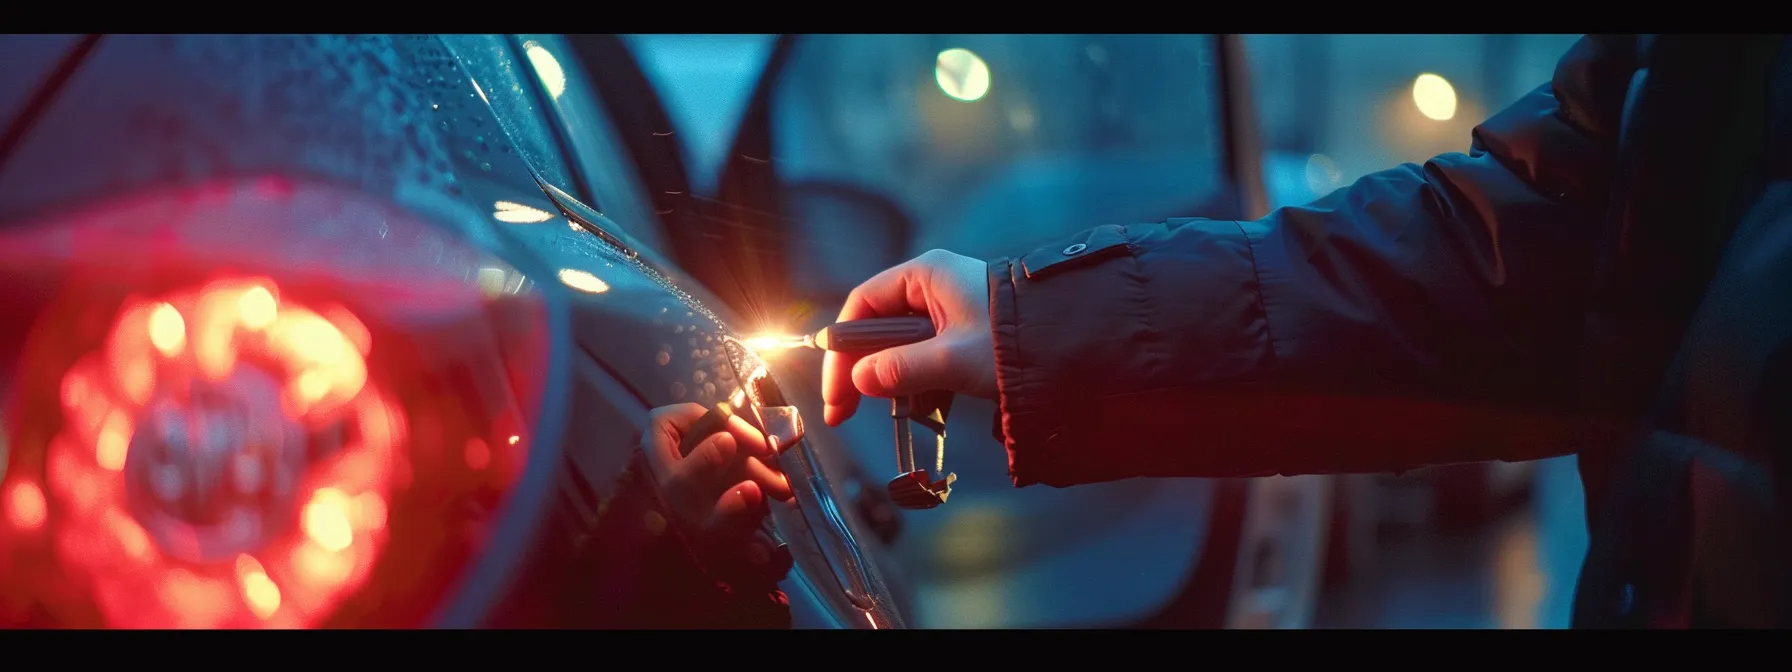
913 487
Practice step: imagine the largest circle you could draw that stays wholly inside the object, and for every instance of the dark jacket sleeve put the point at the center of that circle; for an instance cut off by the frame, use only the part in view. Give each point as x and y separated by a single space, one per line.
1423 315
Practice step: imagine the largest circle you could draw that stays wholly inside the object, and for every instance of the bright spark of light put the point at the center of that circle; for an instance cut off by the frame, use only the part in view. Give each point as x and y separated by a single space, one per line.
1434 96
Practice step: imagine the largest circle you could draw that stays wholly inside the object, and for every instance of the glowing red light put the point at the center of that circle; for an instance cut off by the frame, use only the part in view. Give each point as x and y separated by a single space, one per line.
478 455
25 506
155 352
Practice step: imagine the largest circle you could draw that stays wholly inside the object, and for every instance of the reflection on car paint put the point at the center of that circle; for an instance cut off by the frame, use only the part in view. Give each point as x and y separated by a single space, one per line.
666 344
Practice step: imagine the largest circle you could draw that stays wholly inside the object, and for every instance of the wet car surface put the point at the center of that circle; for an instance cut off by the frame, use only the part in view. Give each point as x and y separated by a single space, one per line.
445 131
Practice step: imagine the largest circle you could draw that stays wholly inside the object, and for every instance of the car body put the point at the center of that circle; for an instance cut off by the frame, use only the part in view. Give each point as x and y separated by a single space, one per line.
506 209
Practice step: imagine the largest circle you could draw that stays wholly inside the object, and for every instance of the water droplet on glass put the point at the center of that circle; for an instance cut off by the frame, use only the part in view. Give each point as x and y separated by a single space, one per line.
709 389
678 391
699 376
663 358
485 167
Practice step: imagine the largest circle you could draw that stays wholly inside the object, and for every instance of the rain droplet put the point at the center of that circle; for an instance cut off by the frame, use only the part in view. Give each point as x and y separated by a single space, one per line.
663 358
699 376
678 391
485 167
709 389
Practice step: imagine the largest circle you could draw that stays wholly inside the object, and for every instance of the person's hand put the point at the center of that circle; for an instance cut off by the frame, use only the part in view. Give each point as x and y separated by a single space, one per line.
717 492
953 289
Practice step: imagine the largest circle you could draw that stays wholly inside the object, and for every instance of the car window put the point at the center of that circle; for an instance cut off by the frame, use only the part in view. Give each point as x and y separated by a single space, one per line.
706 81
992 143
504 83
613 184
546 105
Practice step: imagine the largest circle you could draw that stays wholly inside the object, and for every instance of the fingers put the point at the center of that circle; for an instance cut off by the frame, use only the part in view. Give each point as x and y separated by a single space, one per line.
909 369
737 512
839 398
668 424
773 482
717 459
899 290
733 450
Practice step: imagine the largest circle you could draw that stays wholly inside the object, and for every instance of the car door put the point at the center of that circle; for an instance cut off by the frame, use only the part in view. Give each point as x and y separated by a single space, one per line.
593 109
856 152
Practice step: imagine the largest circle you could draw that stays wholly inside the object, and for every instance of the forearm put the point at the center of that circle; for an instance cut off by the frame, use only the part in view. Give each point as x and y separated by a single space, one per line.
1423 315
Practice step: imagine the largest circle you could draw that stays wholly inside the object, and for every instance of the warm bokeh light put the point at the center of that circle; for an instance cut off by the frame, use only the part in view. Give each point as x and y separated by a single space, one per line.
583 281
25 506
1434 96
547 67
961 74
517 213
259 591
136 389
167 330
326 520
114 442
256 308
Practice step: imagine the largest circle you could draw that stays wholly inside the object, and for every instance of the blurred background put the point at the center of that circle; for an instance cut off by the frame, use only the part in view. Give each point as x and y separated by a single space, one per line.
988 145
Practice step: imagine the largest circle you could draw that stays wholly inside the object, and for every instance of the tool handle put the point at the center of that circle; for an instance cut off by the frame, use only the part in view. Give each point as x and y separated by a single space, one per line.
878 333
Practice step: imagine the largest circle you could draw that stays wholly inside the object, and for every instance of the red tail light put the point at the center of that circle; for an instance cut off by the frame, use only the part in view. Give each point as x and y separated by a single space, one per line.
266 406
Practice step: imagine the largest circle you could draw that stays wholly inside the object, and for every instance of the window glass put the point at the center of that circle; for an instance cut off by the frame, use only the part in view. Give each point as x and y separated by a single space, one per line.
990 145
504 84
546 105
706 82
993 143
598 155
1335 107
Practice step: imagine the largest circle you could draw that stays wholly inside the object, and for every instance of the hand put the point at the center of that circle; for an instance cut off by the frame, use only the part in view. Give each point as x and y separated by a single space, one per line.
950 288
718 491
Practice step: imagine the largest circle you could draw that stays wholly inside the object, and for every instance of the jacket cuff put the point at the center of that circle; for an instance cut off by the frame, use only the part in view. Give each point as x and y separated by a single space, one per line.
1083 327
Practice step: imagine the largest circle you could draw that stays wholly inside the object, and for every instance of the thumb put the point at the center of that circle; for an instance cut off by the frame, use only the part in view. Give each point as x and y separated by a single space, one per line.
904 370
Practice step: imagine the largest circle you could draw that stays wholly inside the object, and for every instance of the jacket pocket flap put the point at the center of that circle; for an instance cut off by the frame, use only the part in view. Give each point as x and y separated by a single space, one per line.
1075 251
